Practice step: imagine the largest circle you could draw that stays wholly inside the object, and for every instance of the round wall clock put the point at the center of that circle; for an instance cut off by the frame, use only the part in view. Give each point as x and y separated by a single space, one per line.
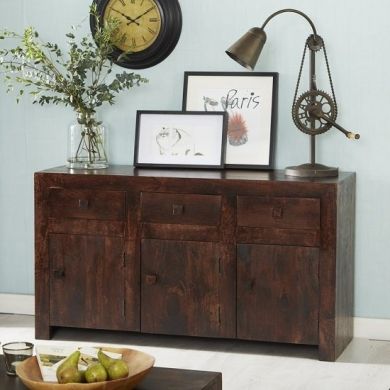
149 29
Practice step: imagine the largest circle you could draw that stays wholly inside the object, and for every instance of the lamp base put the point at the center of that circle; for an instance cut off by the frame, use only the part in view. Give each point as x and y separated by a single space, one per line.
311 170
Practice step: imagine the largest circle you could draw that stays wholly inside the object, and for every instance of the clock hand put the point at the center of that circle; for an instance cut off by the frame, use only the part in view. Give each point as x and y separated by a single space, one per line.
131 20
148 10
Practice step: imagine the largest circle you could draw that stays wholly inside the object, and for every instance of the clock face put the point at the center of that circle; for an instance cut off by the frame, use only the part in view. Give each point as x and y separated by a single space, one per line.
149 29
140 23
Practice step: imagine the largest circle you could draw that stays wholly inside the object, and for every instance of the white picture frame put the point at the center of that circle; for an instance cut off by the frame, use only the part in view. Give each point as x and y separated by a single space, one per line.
250 99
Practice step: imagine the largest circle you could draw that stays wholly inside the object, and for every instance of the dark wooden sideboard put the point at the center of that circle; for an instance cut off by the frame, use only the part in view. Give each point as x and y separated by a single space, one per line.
229 254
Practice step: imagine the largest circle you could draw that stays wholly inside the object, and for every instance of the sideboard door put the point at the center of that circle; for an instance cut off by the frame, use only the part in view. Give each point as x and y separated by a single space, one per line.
86 281
277 293
180 288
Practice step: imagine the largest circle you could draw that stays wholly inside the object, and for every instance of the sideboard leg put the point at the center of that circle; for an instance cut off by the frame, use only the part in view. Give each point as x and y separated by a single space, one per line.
43 332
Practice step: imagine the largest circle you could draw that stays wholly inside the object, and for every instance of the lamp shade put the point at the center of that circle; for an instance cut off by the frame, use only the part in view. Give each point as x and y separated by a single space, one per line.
247 49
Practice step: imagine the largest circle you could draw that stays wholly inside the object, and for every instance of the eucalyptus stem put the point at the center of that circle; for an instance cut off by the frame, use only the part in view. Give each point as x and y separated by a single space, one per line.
89 147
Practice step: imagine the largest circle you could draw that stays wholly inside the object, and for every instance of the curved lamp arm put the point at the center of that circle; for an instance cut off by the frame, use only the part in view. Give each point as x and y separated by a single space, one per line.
294 11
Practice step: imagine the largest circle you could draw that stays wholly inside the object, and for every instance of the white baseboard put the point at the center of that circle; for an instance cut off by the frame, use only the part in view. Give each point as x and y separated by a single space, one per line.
368 328
372 328
17 304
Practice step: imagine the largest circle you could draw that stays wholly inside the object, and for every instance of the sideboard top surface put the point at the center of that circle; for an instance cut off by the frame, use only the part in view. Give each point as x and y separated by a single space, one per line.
229 174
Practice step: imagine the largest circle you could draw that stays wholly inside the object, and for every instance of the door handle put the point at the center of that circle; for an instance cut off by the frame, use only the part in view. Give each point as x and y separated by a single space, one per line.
277 212
83 204
177 209
251 284
150 279
59 273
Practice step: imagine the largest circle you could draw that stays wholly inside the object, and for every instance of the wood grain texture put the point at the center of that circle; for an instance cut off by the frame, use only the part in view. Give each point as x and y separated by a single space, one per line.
277 293
275 236
179 288
86 281
86 226
227 267
170 378
180 232
43 329
132 284
190 216
345 264
278 212
86 204
181 208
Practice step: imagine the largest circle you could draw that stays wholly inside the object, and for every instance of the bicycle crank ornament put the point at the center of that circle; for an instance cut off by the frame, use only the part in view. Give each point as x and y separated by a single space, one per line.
315 112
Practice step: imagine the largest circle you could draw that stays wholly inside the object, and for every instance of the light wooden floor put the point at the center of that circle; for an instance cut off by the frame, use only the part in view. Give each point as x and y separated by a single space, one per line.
364 365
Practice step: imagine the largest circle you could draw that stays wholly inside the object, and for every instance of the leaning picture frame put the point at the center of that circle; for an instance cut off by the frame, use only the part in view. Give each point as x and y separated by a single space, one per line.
250 99
180 139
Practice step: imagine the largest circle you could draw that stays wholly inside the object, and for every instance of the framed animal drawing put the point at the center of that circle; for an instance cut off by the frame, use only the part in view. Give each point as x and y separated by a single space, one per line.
180 139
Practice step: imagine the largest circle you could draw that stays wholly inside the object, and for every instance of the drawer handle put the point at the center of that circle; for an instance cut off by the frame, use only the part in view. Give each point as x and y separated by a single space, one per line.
83 204
251 284
59 273
277 212
177 209
150 279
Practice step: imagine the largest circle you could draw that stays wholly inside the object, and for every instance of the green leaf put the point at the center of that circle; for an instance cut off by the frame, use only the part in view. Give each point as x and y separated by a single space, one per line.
76 77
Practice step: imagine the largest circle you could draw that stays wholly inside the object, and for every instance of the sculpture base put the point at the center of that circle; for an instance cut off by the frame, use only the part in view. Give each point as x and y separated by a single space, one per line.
311 170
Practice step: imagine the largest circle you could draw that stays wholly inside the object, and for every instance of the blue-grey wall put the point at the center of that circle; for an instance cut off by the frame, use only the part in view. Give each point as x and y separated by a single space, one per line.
357 36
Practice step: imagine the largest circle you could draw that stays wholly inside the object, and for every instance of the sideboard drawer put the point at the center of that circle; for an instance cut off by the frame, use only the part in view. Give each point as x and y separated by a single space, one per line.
286 213
190 209
86 204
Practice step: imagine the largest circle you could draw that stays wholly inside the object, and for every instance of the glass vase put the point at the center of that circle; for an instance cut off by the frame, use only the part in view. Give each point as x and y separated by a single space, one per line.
87 143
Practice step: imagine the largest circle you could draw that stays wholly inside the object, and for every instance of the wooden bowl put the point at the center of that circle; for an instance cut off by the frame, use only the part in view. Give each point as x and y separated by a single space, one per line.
139 364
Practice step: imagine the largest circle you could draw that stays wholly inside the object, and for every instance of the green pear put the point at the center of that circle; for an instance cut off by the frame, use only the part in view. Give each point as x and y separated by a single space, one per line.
104 359
68 372
95 373
116 368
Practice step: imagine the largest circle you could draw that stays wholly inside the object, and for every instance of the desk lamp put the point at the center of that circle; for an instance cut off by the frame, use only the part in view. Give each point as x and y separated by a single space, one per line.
314 112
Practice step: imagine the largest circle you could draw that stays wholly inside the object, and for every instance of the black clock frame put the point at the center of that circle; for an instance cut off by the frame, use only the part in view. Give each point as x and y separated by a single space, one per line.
171 25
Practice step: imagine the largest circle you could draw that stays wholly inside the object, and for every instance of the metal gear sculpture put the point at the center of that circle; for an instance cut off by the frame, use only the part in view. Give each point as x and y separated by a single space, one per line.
311 109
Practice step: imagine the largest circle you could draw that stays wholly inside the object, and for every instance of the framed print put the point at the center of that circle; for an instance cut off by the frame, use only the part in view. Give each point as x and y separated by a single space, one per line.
250 99
180 139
